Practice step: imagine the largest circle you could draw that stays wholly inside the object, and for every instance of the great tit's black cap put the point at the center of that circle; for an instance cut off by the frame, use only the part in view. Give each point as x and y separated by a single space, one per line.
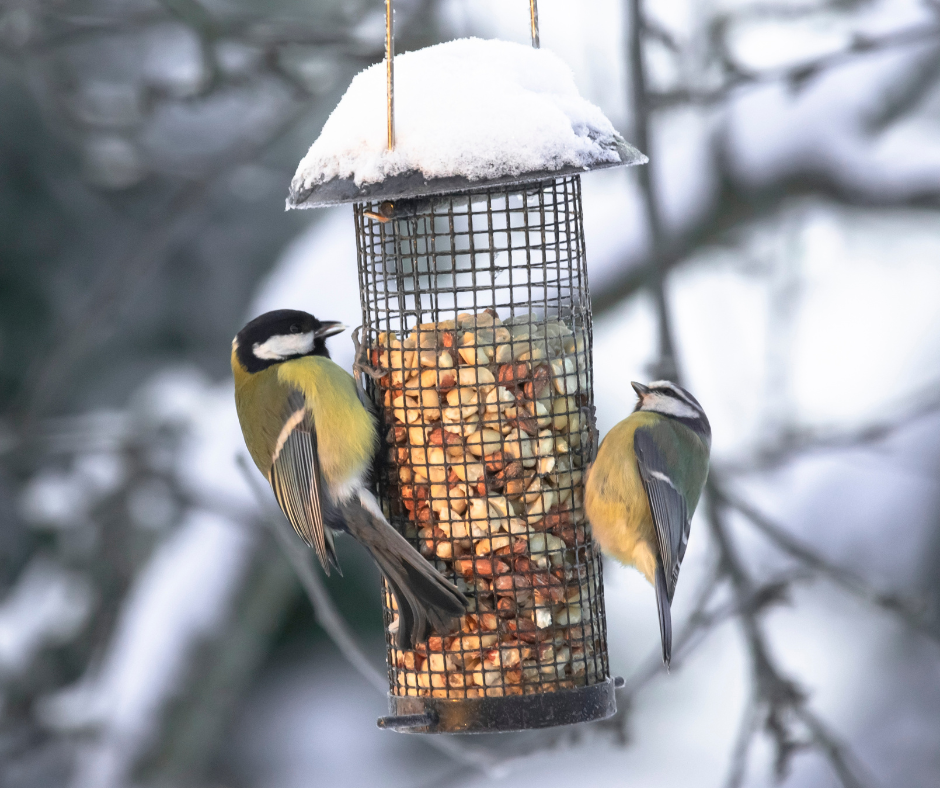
281 335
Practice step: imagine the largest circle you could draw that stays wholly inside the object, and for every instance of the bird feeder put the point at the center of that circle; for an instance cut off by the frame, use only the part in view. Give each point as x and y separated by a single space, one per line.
476 311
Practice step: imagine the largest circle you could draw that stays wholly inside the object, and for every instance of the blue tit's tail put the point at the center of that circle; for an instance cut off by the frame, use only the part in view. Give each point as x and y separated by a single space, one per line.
665 614
425 598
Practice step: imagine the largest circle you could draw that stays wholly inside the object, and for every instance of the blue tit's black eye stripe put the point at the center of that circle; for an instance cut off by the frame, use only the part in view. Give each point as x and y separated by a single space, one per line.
677 393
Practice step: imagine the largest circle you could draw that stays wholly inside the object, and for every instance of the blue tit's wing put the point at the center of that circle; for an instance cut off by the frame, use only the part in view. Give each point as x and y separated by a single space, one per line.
295 479
667 505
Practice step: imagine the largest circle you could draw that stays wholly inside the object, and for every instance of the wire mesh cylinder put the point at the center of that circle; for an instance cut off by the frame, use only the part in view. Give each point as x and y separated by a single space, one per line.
477 305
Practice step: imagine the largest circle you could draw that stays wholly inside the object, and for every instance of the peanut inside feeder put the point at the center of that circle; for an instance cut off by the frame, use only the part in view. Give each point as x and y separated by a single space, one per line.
488 425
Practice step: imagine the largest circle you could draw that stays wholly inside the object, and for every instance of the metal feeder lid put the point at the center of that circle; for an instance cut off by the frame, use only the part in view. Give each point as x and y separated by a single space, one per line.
469 114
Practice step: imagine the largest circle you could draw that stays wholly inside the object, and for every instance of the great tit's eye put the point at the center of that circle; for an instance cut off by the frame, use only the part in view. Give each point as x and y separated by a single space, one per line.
295 329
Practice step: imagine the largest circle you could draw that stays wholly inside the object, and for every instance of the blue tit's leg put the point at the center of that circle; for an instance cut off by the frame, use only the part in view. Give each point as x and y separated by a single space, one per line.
590 414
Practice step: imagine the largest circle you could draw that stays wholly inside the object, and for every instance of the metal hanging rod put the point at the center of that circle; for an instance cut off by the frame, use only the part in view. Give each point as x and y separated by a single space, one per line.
390 60
534 18
390 72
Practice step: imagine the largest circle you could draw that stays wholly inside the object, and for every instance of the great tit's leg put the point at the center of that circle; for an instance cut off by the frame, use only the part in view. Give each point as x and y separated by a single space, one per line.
361 364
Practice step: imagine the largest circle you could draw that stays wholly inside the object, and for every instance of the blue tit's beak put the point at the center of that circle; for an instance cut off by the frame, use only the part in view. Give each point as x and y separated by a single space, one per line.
640 389
328 328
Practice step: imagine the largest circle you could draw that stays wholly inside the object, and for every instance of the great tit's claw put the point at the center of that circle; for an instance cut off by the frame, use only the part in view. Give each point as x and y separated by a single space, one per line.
376 373
360 364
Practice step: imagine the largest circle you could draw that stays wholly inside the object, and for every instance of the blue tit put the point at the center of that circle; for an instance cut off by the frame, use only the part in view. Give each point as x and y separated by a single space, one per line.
644 486
310 434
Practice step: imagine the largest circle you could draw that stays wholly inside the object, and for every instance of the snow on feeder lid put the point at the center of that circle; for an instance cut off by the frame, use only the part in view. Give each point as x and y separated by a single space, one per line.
467 112
476 307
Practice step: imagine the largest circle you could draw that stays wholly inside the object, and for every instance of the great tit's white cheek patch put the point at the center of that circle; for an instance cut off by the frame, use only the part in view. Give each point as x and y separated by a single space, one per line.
283 346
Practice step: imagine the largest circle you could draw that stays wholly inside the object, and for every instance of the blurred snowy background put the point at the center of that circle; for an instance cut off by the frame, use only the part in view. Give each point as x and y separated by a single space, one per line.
781 253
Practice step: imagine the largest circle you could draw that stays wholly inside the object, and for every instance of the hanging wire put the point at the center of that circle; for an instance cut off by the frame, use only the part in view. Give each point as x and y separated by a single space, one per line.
390 72
390 60
534 16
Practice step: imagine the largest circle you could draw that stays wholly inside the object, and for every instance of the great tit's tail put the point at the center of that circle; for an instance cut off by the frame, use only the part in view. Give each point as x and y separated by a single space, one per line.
665 614
425 598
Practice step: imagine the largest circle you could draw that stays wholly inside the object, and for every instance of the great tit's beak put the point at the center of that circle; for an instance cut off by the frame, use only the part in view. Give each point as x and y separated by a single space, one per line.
640 389
328 328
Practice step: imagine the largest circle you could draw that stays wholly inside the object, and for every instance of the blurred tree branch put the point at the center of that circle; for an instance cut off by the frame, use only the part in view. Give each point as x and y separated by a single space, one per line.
324 610
778 705
666 364
798 441
739 205
796 76
778 697
117 289
913 612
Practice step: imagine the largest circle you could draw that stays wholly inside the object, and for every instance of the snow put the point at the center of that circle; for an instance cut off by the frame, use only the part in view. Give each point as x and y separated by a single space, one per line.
308 269
179 598
48 605
577 37
58 500
475 108
204 413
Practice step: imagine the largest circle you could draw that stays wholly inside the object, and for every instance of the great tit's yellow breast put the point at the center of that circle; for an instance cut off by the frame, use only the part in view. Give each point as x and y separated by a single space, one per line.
346 434
615 500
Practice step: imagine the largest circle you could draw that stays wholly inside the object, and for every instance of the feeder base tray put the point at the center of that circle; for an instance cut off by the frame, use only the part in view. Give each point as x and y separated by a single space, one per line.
409 714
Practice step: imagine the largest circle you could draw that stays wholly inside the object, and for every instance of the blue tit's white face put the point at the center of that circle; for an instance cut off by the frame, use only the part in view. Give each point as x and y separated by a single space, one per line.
666 398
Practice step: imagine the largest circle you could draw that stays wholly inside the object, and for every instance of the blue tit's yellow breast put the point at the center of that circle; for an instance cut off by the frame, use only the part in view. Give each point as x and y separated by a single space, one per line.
614 498
346 433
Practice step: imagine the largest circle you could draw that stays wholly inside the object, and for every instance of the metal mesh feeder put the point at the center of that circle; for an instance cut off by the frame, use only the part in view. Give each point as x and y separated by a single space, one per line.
476 307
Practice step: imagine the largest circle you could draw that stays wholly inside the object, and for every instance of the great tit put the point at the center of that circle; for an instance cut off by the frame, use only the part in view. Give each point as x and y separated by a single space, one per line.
644 485
308 431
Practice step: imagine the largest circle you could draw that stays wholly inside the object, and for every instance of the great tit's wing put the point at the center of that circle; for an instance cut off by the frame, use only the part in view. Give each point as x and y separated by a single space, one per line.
667 504
295 479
